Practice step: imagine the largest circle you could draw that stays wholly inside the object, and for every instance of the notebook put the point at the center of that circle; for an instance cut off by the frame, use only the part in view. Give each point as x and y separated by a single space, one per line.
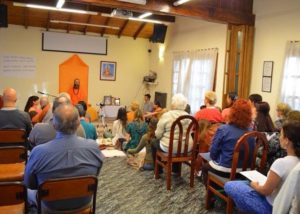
254 175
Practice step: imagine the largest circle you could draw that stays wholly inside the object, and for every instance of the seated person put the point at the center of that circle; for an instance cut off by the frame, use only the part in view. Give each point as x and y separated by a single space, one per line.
65 156
230 99
282 111
44 132
275 151
162 132
87 117
10 116
255 198
146 142
133 107
225 139
1 102
136 130
263 121
119 132
157 110
89 129
32 104
210 113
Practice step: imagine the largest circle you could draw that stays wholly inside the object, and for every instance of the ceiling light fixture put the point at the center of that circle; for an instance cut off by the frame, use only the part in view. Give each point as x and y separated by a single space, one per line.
84 24
36 6
144 15
145 20
179 2
60 3
143 2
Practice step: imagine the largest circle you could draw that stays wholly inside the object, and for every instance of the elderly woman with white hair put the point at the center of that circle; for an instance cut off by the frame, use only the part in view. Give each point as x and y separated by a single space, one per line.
162 132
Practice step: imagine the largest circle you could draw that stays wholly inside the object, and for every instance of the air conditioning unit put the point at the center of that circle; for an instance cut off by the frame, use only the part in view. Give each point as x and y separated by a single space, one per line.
121 13
143 2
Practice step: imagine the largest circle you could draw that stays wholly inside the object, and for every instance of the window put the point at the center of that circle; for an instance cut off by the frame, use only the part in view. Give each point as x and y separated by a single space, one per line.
193 75
291 76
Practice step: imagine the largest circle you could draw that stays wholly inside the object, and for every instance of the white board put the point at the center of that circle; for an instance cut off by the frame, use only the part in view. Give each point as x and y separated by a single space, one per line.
65 42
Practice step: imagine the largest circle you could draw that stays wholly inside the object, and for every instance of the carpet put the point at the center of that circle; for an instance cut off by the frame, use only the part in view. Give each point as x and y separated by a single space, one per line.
123 189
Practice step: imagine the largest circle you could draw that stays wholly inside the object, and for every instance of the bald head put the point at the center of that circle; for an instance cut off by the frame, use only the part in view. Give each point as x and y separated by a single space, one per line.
66 119
44 101
9 97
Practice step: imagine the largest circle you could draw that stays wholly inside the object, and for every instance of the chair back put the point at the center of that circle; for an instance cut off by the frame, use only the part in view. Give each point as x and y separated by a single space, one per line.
13 154
260 141
183 135
68 188
13 193
12 136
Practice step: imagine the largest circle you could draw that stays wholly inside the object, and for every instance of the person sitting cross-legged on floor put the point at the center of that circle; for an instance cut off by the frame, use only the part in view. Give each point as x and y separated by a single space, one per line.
256 198
89 129
65 156
146 142
136 129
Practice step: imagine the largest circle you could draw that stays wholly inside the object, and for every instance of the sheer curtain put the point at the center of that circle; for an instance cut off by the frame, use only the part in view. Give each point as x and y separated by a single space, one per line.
291 76
193 74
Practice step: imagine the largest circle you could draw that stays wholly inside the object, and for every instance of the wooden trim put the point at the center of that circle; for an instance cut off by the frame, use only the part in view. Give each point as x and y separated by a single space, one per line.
123 28
105 23
139 30
208 13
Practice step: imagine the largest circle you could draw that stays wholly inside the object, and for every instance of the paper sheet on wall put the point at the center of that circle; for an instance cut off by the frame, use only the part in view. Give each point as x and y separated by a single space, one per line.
17 66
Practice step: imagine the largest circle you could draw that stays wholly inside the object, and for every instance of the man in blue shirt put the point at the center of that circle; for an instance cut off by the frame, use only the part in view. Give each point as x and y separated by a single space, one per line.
65 156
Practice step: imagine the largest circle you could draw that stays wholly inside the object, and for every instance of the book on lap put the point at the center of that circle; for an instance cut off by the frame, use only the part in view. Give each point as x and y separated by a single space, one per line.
254 175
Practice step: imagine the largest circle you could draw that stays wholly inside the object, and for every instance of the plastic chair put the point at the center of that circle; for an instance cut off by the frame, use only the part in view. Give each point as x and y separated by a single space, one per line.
216 183
68 188
13 198
188 157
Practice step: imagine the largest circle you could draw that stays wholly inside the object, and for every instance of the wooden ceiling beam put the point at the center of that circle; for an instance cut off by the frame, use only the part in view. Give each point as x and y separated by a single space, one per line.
88 21
26 18
69 26
139 30
48 21
123 28
105 23
209 13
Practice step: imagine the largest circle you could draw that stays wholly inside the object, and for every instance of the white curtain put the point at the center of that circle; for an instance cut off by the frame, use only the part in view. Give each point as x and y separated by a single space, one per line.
193 74
291 76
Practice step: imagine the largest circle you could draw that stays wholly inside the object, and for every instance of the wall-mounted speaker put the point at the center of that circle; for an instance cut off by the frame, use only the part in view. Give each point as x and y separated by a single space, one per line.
161 98
159 33
3 15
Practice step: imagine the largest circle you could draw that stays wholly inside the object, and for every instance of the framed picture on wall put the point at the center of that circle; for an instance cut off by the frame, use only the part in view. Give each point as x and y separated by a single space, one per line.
267 76
108 70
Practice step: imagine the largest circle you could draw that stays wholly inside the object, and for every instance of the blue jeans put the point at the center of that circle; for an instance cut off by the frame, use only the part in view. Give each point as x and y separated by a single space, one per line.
246 198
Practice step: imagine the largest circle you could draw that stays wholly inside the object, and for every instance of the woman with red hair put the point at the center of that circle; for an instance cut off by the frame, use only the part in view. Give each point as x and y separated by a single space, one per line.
221 150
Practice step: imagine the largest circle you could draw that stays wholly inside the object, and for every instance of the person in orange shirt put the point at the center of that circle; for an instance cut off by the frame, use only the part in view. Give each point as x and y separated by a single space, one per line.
76 93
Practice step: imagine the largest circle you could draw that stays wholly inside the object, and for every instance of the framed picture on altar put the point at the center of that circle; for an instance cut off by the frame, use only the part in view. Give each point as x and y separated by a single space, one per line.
107 100
108 70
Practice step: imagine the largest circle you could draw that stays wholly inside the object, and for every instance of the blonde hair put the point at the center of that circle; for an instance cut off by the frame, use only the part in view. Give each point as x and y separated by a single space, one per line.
284 108
134 106
211 97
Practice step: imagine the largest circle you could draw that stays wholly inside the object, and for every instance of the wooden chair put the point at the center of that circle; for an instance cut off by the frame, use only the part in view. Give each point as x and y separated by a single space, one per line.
68 188
167 159
13 137
13 198
216 183
12 163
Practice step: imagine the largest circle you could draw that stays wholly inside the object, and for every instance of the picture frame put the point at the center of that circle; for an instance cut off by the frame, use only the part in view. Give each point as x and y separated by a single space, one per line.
117 101
108 70
107 100
267 76
268 68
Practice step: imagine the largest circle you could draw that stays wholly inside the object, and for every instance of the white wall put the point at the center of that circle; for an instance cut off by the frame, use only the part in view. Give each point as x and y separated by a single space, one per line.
188 34
131 55
277 22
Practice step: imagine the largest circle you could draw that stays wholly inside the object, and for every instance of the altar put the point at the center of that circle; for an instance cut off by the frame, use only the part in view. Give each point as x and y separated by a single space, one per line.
111 111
